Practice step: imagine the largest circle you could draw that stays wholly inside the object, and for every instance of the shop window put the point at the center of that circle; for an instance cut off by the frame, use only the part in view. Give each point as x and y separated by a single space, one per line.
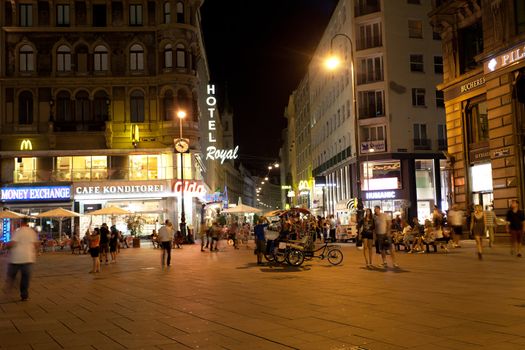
135 15
25 108
168 57
415 29
416 63
137 107
180 12
167 13
25 170
64 59
477 120
89 168
425 188
481 177
26 59
64 166
62 15
470 44
100 59
188 173
25 15
145 167
136 58
381 175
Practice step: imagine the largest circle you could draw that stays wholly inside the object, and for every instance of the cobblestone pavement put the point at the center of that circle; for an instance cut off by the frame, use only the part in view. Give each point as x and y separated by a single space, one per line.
224 300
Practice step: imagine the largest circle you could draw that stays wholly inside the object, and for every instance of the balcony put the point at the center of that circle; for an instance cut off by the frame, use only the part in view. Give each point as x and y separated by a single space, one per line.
422 144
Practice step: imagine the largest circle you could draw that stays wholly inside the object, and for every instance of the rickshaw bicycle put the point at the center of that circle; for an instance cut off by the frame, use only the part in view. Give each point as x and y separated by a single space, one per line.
305 250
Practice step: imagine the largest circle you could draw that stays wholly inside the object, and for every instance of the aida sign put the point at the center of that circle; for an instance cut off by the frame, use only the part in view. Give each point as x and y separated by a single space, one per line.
35 193
212 152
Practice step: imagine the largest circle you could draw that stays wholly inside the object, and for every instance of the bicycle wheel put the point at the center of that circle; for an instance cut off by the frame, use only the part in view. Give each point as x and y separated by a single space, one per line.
335 256
269 257
280 257
295 257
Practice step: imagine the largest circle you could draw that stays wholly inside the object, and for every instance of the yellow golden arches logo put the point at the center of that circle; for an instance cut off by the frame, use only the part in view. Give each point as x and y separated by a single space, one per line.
26 145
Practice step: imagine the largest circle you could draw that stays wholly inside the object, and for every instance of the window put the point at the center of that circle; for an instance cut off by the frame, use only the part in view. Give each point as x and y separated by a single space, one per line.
167 13
370 70
26 59
364 7
374 133
82 107
100 106
63 107
80 13
136 58
369 36
436 35
519 12
477 119
62 15
64 59
415 29
168 57
145 167
180 12
470 44
135 15
442 137
25 108
25 169
440 99
181 56
438 64
416 63
137 107
425 187
420 133
418 97
26 15
99 15
381 175
168 105
371 104
414 2
100 58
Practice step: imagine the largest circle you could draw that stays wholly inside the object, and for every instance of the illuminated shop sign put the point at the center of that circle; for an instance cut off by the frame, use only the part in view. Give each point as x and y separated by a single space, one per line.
41 193
303 185
122 189
213 152
506 59
26 145
472 85
189 187
380 195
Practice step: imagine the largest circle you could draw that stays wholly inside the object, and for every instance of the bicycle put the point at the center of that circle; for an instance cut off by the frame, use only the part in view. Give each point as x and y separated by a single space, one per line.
298 253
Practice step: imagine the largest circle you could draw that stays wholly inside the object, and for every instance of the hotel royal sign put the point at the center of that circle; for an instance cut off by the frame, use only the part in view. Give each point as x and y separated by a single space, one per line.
213 152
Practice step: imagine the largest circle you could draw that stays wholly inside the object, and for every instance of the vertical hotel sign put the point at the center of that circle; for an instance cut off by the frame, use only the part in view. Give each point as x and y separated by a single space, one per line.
212 152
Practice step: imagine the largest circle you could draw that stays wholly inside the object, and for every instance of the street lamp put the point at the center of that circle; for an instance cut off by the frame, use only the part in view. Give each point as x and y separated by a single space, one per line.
181 146
331 64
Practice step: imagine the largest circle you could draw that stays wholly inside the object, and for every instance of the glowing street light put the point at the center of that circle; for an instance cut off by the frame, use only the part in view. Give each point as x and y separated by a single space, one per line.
332 62
276 165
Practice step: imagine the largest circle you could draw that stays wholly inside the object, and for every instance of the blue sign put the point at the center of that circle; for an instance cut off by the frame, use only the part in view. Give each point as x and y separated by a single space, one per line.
35 193
6 230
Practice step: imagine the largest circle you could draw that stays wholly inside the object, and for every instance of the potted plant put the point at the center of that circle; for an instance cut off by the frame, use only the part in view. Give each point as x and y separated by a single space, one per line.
135 224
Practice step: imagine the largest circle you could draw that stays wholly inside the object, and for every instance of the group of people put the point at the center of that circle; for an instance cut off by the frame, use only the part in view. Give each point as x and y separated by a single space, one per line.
103 242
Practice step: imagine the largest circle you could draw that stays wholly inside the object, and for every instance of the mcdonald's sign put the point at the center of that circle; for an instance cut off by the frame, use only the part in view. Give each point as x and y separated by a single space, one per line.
26 145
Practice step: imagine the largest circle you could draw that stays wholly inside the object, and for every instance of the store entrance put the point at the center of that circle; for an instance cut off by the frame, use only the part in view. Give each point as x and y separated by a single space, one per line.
482 198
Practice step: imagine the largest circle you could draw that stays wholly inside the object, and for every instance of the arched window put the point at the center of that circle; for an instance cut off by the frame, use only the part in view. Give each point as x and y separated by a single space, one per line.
136 107
63 107
168 106
181 56
167 13
101 106
26 59
136 58
25 108
183 102
180 12
64 59
100 59
82 107
168 57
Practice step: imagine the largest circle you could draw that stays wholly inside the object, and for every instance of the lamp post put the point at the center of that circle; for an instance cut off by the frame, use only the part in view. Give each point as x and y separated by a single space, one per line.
181 149
332 63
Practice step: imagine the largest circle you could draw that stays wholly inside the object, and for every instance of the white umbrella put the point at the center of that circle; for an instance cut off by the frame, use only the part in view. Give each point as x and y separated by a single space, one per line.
242 208
110 211
8 214
59 213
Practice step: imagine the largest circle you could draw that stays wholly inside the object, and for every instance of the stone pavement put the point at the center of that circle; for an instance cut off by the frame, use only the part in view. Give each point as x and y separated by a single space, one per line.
224 300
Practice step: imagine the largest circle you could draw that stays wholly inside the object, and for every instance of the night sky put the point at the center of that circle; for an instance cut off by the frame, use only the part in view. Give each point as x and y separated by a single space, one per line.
260 51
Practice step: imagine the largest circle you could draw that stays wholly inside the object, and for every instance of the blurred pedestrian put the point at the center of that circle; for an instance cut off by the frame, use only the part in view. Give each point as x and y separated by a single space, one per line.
104 242
367 236
260 239
477 227
383 236
490 223
94 250
515 226
455 221
22 255
165 238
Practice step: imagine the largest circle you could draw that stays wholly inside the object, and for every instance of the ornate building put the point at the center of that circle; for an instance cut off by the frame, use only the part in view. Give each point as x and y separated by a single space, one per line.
484 89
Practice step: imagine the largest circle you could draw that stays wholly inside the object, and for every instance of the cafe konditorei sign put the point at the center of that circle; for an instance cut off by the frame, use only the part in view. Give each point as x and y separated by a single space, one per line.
35 193
212 152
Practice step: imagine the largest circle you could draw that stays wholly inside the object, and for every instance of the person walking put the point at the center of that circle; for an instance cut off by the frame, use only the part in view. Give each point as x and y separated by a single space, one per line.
260 239
477 227
332 227
383 238
515 226
165 239
104 242
113 244
203 235
22 255
455 221
94 250
490 223
367 227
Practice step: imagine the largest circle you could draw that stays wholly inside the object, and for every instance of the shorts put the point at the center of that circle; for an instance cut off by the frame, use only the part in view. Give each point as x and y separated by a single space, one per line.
94 252
516 235
384 242
367 235
260 246
104 247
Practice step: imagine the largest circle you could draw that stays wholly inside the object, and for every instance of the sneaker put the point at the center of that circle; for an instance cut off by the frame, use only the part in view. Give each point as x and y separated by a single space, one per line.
421 252
396 266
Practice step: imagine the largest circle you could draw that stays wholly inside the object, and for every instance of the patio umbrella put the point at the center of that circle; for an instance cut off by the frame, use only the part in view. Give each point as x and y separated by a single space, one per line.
241 208
59 213
277 212
111 210
8 214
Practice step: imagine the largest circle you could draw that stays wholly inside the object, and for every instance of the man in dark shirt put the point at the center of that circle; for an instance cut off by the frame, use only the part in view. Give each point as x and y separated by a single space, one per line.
104 242
260 239
515 226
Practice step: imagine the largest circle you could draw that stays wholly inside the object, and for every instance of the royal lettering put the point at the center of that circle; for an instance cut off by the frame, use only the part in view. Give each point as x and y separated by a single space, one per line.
221 154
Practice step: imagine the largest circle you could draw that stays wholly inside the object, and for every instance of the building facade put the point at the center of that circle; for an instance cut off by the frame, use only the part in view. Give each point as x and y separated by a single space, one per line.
484 89
89 94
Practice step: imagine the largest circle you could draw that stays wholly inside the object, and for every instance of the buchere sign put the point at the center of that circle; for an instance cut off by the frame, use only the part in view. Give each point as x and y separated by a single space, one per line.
36 193
212 152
